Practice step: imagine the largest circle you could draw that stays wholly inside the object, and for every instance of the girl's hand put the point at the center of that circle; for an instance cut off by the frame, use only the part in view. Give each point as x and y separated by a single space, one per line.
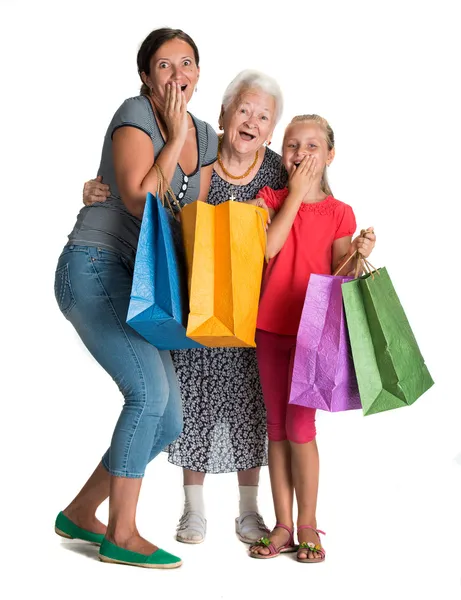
95 191
175 112
301 178
259 202
364 244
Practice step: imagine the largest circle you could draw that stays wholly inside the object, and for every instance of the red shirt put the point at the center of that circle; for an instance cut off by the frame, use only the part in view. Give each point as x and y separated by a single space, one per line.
308 249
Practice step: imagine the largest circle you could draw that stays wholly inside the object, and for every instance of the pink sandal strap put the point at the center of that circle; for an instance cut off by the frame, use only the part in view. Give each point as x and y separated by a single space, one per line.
272 549
317 531
304 547
290 531
318 547
264 541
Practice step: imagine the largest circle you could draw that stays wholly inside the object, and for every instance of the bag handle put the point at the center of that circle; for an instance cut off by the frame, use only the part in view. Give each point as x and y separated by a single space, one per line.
361 261
266 258
164 191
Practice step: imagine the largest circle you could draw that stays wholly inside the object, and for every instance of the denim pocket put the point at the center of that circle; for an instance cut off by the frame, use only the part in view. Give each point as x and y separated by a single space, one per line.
63 290
109 257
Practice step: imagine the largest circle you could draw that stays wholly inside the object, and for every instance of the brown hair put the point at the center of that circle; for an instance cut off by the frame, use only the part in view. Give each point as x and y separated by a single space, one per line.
330 139
153 42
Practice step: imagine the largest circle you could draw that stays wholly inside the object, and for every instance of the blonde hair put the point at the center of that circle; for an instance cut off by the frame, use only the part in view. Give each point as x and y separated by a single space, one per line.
329 137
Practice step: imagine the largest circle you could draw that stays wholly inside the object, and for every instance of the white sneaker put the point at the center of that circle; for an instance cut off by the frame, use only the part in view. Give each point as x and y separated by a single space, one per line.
250 527
191 528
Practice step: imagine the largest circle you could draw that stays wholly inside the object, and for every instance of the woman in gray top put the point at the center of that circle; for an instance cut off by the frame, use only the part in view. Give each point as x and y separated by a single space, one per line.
150 136
223 408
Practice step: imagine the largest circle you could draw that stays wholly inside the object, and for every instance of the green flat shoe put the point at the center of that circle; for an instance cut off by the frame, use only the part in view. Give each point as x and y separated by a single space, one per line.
159 559
67 529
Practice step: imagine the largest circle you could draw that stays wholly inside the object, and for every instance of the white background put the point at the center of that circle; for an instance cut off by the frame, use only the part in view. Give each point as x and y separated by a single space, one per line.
384 74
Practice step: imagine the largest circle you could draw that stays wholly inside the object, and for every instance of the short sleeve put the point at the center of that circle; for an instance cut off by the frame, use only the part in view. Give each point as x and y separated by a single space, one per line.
134 112
211 151
346 224
273 198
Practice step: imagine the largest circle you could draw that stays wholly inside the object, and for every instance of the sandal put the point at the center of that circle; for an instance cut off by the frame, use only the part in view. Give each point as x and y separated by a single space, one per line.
250 527
311 547
265 542
191 528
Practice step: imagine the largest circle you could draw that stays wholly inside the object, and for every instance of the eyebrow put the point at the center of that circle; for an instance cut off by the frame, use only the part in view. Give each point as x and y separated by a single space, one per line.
159 59
246 102
307 140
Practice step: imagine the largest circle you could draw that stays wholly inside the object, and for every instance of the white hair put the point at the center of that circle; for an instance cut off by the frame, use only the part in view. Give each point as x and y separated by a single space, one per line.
250 79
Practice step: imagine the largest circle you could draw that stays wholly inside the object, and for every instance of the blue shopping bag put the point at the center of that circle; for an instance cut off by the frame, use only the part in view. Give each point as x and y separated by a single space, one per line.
159 302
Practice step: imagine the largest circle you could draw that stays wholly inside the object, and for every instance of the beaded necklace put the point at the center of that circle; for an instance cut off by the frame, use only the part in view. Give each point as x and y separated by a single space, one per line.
226 172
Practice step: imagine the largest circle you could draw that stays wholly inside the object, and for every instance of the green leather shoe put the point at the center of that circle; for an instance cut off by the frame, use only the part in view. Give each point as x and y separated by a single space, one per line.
157 560
67 529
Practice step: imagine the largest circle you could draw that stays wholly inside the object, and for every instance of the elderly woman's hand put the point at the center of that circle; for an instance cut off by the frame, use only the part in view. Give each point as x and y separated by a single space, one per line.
259 202
95 191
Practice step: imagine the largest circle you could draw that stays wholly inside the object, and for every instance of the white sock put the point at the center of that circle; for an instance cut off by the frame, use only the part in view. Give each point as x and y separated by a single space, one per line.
248 498
194 499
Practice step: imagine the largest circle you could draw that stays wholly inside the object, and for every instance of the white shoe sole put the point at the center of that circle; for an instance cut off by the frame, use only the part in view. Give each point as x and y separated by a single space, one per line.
187 541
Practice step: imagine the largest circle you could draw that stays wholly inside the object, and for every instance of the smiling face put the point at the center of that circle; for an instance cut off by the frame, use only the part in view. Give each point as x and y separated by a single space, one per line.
173 62
249 120
303 138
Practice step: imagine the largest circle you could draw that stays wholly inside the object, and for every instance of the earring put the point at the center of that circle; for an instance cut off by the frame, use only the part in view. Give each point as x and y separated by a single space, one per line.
221 127
196 88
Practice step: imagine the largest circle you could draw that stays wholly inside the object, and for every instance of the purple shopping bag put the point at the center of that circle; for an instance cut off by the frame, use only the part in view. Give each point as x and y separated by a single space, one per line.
323 371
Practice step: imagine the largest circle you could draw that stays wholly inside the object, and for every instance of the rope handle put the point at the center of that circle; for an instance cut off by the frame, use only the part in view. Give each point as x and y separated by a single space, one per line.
164 190
361 262
266 258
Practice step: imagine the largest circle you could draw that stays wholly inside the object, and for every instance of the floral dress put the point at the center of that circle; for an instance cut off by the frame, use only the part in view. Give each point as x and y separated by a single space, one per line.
224 413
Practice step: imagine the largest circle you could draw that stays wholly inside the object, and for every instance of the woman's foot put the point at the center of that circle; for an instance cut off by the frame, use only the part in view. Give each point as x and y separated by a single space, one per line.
66 528
309 542
158 559
280 538
85 520
132 542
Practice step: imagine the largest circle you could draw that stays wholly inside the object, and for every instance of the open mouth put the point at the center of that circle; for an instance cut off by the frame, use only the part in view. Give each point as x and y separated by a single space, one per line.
183 88
248 137
296 164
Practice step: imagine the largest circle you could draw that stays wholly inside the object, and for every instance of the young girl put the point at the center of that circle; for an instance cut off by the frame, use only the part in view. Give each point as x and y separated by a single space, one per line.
310 232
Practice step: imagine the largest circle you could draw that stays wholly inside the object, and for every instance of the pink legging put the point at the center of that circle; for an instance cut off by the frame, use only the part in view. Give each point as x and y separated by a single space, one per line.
275 361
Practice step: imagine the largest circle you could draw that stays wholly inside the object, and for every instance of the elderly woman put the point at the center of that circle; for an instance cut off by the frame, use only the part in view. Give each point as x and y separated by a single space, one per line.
150 137
224 414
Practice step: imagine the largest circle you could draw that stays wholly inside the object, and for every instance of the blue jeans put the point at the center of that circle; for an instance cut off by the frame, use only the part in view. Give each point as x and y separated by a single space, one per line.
92 288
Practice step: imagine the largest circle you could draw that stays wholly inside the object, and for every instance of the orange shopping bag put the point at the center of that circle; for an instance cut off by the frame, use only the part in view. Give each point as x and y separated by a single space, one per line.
225 248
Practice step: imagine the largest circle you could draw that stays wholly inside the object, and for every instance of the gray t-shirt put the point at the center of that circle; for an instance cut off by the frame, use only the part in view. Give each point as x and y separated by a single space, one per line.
108 224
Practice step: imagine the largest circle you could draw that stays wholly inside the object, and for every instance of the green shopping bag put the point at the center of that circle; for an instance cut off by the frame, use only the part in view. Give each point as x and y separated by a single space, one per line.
388 363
